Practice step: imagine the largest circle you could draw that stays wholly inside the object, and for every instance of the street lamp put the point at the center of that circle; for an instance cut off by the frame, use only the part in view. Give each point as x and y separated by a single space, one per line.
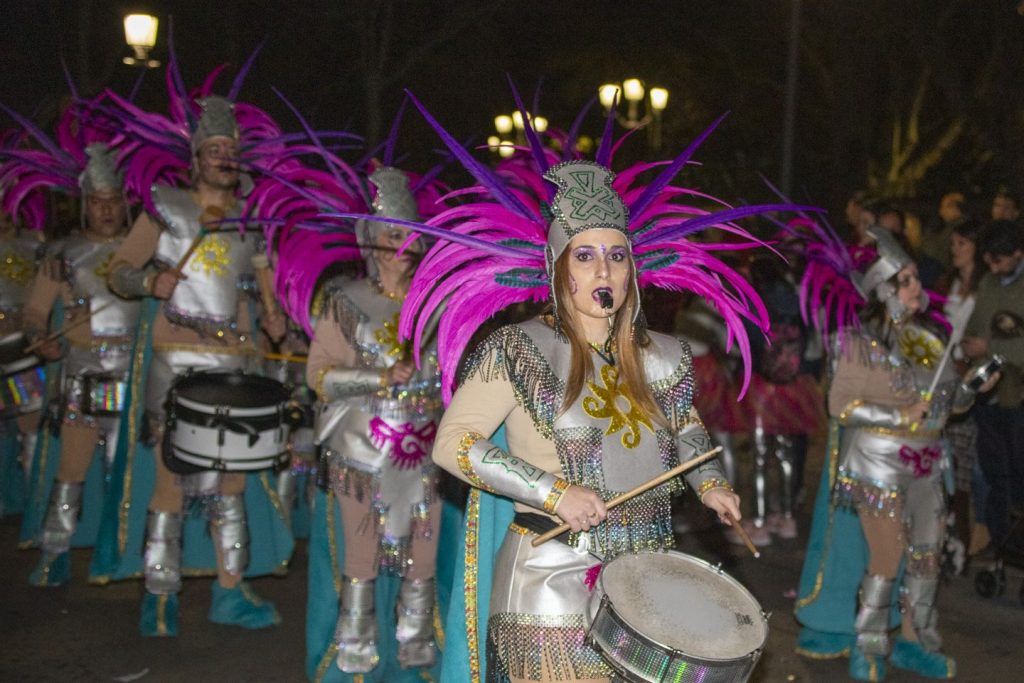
632 90
513 125
140 34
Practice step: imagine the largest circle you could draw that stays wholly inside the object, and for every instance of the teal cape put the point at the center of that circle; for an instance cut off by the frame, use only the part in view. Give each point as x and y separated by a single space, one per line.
12 477
326 560
121 541
487 518
835 563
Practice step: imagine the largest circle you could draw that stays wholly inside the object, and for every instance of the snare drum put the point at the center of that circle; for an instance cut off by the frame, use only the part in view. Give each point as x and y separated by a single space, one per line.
666 616
23 383
226 421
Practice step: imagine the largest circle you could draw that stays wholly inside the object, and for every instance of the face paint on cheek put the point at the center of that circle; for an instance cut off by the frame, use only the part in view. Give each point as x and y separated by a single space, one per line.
573 287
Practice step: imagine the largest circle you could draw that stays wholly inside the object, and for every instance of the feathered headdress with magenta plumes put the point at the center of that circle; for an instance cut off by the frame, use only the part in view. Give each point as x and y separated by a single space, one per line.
158 149
57 164
491 249
296 207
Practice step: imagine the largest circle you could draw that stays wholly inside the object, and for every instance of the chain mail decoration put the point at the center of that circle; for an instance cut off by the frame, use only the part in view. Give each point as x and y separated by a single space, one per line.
520 645
876 498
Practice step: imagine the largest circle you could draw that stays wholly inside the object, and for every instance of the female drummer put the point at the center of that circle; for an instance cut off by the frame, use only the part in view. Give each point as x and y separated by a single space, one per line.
892 459
592 403
378 422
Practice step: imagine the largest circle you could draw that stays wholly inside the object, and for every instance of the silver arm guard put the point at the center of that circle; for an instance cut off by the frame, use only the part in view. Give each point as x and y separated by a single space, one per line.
691 441
963 398
130 283
488 467
860 414
339 383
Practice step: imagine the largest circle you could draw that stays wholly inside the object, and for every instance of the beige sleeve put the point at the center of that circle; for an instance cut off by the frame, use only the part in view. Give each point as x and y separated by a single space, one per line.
328 350
479 406
41 296
139 246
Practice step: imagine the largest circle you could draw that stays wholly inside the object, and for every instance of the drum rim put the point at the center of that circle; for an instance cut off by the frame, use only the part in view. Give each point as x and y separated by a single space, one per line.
230 411
205 461
707 565
20 365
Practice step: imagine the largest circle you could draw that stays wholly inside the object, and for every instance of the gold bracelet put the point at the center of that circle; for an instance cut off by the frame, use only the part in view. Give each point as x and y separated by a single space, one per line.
465 464
712 483
555 496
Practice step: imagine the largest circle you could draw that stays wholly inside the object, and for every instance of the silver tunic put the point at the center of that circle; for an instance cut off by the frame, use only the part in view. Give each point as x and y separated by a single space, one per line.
220 267
385 436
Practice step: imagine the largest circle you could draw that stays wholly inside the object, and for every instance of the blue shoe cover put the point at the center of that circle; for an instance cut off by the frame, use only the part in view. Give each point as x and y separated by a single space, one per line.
910 656
239 606
866 667
159 615
52 570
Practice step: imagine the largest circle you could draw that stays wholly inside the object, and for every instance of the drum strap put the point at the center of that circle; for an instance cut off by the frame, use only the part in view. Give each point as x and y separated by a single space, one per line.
539 524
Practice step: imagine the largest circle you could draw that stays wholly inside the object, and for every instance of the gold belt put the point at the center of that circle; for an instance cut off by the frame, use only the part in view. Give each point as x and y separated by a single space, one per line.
237 350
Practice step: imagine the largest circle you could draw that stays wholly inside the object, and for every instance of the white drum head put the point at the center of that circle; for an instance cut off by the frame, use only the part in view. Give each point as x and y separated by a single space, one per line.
683 603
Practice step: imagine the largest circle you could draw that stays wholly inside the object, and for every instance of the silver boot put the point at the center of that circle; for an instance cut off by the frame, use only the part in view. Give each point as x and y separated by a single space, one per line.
356 633
918 594
873 617
761 455
61 517
163 552
28 452
415 629
231 532
287 488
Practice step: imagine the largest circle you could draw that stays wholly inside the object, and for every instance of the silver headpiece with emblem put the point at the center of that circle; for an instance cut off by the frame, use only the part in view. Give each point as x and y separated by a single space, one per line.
393 199
584 201
100 173
217 120
891 260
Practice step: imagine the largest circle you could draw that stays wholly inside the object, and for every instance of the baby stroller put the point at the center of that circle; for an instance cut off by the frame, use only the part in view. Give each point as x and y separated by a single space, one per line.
991 581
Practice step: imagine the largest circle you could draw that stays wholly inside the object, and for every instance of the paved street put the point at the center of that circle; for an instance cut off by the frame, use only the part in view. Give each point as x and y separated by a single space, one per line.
89 633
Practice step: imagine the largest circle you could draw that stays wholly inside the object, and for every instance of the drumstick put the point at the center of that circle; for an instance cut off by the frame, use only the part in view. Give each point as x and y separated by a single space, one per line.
210 215
646 486
743 534
291 358
64 330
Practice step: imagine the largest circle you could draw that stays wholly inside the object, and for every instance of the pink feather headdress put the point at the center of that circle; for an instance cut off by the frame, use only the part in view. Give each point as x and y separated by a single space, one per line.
490 250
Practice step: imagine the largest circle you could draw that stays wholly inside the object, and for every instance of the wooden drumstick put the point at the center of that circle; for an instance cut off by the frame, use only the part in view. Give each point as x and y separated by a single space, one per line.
265 278
288 357
64 330
743 534
646 486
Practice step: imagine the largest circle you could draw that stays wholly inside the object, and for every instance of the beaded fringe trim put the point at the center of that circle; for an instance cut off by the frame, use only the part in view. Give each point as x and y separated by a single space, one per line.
529 645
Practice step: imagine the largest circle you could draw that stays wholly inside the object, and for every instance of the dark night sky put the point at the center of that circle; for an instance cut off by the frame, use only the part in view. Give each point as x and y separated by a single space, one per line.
860 64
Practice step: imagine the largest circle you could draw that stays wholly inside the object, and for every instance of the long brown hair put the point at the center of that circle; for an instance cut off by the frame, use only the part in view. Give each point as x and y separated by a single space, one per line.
629 344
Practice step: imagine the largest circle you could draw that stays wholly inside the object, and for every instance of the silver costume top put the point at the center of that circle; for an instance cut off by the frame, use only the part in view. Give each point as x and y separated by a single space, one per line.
875 378
383 432
217 271
604 441
19 258
85 265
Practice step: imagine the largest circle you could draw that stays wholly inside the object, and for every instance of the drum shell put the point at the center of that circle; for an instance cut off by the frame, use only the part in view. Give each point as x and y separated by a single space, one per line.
638 657
221 436
23 384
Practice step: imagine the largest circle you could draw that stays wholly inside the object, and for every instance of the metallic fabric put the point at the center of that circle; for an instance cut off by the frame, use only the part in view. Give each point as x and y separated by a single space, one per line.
918 593
86 264
287 489
166 366
872 621
61 517
162 557
231 531
217 270
19 258
498 472
217 119
100 173
585 200
415 627
538 603
356 631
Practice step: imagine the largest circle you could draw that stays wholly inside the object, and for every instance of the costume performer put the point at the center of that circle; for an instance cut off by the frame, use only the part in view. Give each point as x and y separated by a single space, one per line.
889 469
201 318
592 403
23 215
95 357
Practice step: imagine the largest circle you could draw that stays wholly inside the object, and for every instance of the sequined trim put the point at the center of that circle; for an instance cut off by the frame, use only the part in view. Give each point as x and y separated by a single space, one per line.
470 583
521 530
906 434
529 645
555 495
872 497
844 415
465 464
923 561
221 349
833 451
